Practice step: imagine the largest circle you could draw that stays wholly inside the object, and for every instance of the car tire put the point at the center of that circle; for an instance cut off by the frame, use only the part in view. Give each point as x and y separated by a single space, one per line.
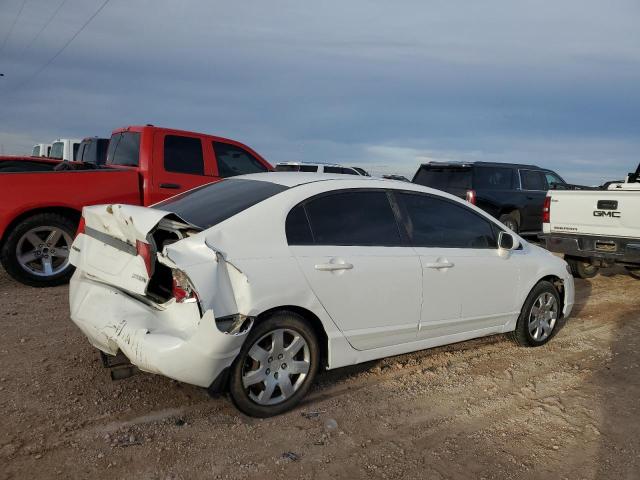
266 379
20 245
580 268
634 272
510 221
540 316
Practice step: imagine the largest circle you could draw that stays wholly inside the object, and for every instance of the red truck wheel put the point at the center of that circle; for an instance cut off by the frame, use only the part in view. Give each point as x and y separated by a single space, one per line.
36 251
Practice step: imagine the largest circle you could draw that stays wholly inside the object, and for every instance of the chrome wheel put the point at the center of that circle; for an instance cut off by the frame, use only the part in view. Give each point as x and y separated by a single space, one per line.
276 366
44 251
543 316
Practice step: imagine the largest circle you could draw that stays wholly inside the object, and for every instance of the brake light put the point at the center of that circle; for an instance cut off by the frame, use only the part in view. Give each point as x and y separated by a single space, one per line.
80 227
471 197
546 210
144 250
182 289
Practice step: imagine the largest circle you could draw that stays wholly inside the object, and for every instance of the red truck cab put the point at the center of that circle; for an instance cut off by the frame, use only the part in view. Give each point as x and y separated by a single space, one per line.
41 200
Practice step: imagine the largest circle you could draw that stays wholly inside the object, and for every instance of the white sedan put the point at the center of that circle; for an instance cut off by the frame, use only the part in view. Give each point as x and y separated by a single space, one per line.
254 283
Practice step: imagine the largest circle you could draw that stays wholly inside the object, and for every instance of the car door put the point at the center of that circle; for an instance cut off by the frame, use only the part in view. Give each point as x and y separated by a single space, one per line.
179 164
534 186
349 247
468 285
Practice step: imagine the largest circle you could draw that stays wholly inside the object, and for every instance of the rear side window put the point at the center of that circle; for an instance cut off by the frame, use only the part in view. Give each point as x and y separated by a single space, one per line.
308 168
183 155
124 149
233 160
448 179
211 204
287 168
533 180
341 170
493 178
433 222
297 227
353 218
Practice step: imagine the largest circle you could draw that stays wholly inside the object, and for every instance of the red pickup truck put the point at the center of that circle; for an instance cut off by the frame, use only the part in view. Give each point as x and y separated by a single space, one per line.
41 199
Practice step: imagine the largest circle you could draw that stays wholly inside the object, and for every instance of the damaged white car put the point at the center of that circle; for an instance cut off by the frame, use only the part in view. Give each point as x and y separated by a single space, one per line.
254 283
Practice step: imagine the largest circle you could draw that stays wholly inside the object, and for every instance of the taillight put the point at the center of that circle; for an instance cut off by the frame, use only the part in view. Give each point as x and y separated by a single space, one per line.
546 210
144 250
471 197
182 289
80 227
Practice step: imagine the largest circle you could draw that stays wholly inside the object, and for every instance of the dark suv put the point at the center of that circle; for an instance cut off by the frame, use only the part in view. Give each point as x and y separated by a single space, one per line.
512 193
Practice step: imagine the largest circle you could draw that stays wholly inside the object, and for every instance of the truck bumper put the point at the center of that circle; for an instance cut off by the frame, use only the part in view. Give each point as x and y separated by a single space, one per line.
613 249
173 339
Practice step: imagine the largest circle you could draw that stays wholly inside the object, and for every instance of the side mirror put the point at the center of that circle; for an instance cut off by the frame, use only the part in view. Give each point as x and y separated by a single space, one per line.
506 241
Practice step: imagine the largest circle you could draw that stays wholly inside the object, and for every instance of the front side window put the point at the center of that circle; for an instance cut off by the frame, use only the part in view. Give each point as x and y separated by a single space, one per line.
233 160
57 150
493 178
124 149
183 155
434 222
533 180
552 178
353 218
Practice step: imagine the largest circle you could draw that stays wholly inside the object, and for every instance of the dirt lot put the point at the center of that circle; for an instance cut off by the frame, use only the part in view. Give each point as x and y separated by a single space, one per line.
479 409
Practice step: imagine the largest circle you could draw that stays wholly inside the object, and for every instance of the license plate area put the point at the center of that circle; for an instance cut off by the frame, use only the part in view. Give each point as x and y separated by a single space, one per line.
606 246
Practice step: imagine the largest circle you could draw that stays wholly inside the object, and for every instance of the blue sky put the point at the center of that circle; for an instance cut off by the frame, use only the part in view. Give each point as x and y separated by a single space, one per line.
385 85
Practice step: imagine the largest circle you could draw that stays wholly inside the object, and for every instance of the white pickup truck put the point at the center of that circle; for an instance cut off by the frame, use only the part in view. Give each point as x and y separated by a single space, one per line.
65 148
595 227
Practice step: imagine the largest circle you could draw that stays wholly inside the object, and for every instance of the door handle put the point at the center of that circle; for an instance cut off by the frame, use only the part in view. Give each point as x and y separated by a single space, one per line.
440 265
173 186
332 267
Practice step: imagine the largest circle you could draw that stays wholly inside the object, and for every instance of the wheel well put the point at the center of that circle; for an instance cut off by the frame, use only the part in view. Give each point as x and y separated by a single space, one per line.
512 211
67 212
314 322
558 284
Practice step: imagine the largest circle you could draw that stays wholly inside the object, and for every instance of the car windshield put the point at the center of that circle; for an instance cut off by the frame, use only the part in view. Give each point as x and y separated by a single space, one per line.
57 150
211 204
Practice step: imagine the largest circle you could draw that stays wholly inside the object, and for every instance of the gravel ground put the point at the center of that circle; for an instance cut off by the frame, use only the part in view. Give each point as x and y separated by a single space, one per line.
479 409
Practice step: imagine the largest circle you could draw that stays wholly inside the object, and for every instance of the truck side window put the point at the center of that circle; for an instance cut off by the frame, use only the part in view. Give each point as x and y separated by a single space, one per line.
233 160
533 180
183 155
124 149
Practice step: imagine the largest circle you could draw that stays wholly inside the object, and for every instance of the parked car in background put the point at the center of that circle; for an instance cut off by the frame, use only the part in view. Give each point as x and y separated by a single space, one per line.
512 193
595 227
65 149
40 204
41 150
319 168
401 178
93 150
254 283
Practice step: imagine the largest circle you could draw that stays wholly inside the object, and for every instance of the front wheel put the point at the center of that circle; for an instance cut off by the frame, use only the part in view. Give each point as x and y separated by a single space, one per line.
36 251
510 221
275 367
538 321
580 268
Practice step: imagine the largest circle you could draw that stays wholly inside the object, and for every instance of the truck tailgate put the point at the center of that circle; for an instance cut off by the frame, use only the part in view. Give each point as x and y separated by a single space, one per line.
595 212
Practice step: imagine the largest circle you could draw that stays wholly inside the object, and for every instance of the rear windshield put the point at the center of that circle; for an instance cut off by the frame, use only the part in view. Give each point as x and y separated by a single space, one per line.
444 178
211 204
57 150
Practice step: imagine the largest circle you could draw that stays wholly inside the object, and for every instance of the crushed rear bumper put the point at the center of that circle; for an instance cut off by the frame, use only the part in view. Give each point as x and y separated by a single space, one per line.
172 339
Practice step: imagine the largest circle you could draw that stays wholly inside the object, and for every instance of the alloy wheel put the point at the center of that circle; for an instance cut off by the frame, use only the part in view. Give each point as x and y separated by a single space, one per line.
44 251
276 366
543 316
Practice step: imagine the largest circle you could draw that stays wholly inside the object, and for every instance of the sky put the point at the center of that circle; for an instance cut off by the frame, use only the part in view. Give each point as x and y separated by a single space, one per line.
378 84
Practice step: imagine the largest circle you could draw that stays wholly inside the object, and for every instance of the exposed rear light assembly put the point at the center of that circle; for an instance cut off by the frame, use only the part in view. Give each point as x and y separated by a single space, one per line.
80 227
182 289
144 250
471 197
546 210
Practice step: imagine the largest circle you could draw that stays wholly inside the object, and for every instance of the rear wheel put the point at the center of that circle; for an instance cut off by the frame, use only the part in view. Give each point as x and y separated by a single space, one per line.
36 252
510 221
580 268
634 272
275 366
539 317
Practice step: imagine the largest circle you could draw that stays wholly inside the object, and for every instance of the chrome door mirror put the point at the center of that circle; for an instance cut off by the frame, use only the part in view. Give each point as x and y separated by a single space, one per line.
507 241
